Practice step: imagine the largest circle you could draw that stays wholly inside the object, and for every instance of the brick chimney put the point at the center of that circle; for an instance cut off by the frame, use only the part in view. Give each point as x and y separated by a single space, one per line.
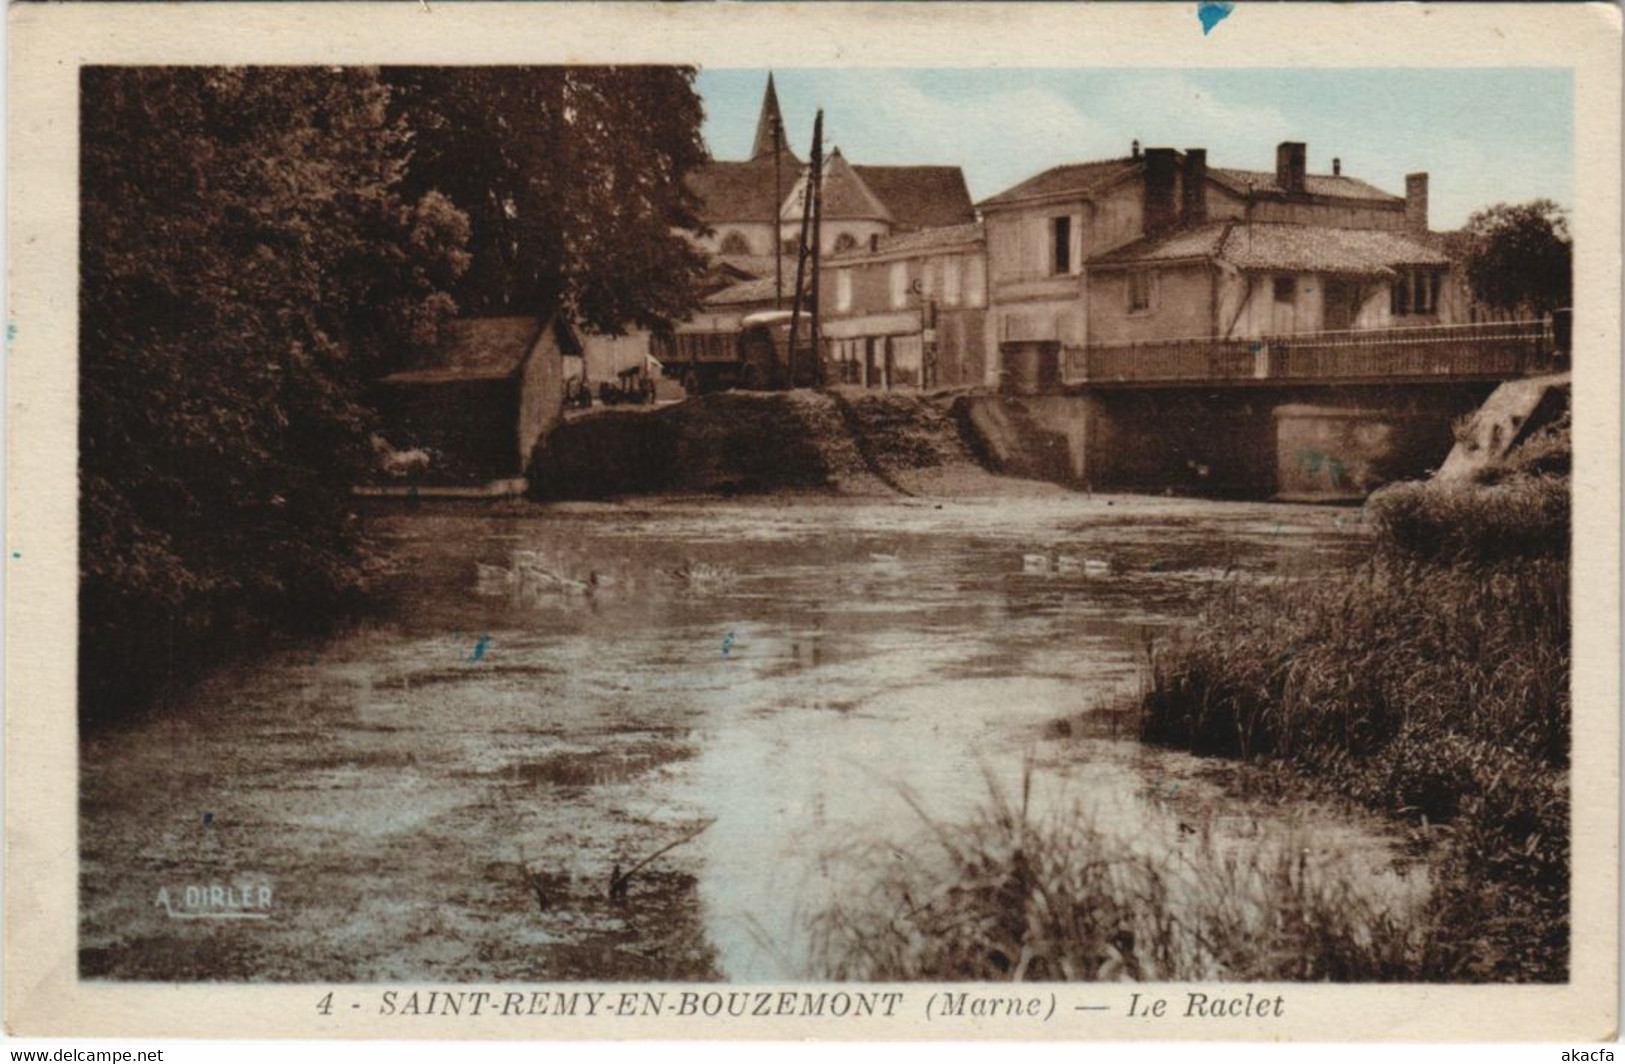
1193 198
1416 202
1337 167
1161 175
1291 163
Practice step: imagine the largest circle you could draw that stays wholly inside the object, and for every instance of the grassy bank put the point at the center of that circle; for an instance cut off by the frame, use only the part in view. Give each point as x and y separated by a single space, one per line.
1431 683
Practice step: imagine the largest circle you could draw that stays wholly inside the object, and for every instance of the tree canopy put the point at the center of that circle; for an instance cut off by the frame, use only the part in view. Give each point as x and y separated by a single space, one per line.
257 244
248 259
574 180
1520 257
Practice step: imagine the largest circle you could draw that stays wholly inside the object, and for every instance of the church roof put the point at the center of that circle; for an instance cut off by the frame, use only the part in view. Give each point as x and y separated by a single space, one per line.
770 128
846 195
921 197
742 191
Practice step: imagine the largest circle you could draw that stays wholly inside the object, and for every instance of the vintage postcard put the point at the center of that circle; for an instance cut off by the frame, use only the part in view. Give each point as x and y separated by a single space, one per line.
813 521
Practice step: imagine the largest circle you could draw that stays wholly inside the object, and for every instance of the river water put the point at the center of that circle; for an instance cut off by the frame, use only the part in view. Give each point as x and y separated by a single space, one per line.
547 694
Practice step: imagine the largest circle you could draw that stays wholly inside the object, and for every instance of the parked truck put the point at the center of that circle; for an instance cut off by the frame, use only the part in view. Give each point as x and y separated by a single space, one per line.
756 357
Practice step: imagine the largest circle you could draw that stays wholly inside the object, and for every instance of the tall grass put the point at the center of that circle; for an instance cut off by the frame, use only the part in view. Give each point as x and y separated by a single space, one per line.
1431 682
1014 896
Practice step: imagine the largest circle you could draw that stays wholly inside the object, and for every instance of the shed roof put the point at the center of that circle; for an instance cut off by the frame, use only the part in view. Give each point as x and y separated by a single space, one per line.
1281 246
475 349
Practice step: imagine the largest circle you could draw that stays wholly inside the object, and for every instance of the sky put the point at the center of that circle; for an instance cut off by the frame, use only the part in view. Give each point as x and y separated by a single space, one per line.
1483 135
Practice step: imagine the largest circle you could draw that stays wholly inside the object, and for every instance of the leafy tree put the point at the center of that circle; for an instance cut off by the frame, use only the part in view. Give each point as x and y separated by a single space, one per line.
574 182
248 259
1519 257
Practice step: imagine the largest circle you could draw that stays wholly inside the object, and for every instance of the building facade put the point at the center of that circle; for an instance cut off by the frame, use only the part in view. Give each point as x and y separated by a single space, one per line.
1158 246
908 311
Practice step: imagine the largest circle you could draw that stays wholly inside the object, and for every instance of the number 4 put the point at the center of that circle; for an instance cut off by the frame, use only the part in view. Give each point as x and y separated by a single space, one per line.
325 1005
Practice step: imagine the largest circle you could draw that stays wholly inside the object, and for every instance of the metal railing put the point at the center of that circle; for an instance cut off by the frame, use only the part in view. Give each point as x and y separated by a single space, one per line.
1480 350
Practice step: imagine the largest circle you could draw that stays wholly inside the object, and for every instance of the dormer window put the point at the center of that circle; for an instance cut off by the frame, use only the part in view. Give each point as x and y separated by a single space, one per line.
735 244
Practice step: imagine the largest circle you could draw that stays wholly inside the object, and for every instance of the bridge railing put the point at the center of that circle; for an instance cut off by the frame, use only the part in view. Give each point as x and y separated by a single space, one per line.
1479 350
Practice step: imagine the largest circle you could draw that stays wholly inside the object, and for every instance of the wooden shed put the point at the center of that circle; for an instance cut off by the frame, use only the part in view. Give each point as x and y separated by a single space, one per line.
476 406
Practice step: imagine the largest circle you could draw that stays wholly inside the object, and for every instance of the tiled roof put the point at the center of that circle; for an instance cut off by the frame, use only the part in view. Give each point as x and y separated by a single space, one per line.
1282 246
757 291
917 242
735 191
746 267
845 195
1078 178
1085 178
481 349
1315 184
921 197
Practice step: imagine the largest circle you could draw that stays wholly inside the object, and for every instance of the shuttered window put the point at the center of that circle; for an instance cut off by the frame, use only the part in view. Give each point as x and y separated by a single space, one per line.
951 280
899 284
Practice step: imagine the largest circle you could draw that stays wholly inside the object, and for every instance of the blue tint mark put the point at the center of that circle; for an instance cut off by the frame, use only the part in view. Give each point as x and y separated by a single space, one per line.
727 643
1212 14
480 647
208 818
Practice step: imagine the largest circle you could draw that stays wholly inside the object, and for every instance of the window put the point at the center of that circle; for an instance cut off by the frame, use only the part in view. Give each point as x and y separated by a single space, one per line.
928 278
975 281
1061 244
845 242
790 247
1140 285
951 280
1414 292
899 284
843 290
735 244
1286 289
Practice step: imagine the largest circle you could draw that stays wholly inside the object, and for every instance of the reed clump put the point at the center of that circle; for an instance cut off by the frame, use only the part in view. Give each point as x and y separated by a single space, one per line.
1010 895
1430 682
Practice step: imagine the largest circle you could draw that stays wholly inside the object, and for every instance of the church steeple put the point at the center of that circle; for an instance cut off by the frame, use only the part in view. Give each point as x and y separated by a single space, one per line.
770 123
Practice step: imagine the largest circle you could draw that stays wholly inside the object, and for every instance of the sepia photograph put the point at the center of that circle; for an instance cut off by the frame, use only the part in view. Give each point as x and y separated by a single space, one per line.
548 531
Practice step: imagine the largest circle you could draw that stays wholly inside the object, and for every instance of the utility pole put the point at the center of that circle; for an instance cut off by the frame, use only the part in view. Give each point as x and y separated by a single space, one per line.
810 206
817 240
778 203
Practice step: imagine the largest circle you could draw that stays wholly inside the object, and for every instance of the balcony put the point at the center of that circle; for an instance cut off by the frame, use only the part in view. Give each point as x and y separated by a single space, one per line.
1481 351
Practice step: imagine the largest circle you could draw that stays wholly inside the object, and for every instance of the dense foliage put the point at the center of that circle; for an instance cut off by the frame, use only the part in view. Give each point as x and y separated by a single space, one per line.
1520 257
247 259
574 180
259 243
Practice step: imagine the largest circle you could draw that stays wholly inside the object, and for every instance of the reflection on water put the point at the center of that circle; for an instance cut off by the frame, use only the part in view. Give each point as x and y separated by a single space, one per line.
568 689
836 667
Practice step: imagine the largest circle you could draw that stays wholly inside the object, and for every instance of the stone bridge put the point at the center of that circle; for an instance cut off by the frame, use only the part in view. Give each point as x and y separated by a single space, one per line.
1312 416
